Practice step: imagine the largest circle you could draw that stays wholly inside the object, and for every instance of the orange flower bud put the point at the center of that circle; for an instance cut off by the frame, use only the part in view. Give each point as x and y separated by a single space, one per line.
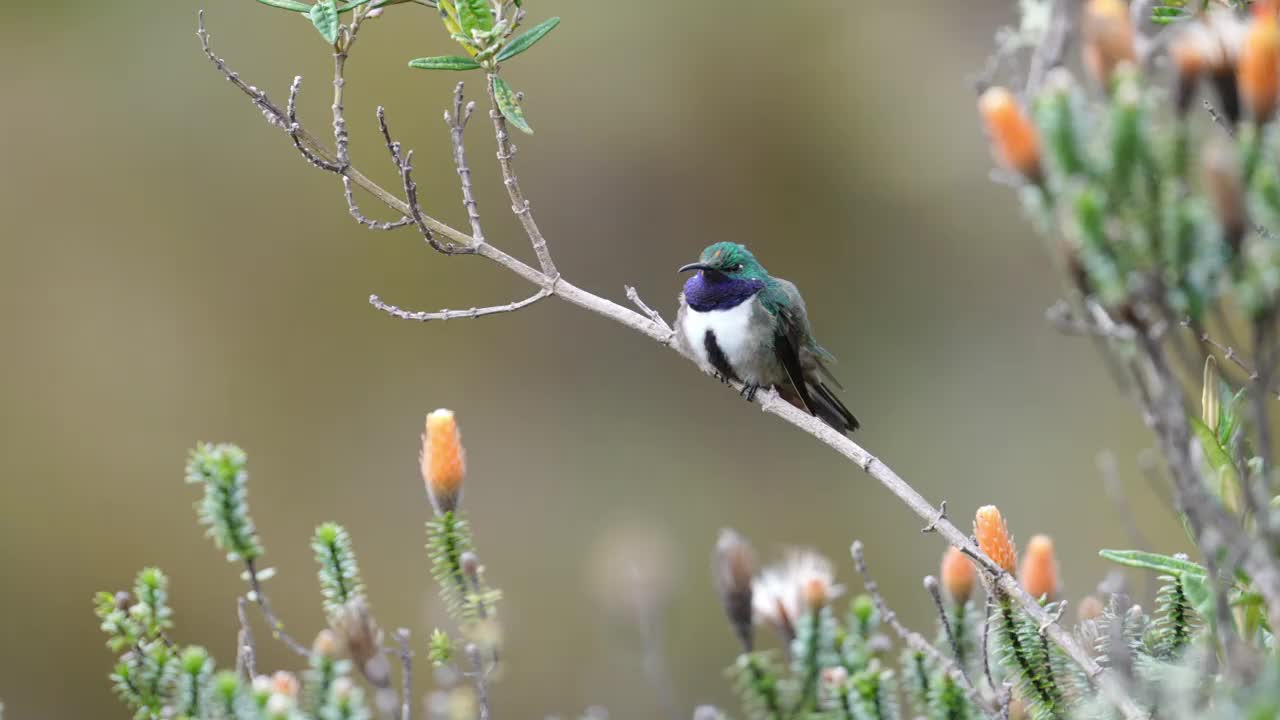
1258 73
993 537
1040 568
1108 38
957 575
814 593
443 460
1014 139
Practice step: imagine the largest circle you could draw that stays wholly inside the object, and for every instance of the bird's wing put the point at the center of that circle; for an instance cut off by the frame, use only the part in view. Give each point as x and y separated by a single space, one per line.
789 338
795 341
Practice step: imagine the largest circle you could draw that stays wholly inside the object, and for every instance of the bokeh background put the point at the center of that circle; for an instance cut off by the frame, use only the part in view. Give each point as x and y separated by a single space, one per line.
171 271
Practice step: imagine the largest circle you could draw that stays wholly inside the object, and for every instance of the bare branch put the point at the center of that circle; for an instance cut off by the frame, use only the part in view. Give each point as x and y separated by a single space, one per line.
294 127
1229 354
273 623
406 674
480 678
360 218
1218 119
404 163
377 302
931 585
457 122
933 524
278 118
653 315
1053 46
245 664
259 98
1061 317
519 204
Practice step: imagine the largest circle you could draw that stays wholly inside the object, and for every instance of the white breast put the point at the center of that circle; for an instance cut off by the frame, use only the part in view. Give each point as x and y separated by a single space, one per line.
732 329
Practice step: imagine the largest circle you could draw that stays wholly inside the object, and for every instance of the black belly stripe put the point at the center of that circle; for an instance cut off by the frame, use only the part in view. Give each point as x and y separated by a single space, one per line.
716 355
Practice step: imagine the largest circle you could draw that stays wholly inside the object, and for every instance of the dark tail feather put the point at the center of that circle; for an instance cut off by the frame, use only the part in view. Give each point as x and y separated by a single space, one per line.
828 407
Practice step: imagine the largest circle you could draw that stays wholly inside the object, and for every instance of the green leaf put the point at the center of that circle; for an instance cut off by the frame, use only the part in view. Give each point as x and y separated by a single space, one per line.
1224 468
352 6
474 15
508 105
444 62
1230 415
287 5
1198 593
1153 561
528 38
324 15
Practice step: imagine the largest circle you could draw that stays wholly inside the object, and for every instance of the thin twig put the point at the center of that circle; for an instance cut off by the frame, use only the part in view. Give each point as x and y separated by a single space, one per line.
457 122
294 127
480 678
519 204
1060 316
933 524
367 222
1053 46
914 639
273 623
653 315
404 163
474 312
931 586
986 642
245 655
1218 119
406 674
1229 354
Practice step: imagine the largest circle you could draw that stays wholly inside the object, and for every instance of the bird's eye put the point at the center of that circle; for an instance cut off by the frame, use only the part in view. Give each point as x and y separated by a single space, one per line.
737 268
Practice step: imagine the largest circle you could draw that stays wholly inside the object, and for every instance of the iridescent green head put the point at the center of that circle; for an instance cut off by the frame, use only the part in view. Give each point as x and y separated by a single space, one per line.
730 259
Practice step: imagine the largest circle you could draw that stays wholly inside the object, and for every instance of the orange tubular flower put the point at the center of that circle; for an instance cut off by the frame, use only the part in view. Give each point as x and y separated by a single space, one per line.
1258 73
443 460
957 575
1108 38
1013 137
1040 568
993 537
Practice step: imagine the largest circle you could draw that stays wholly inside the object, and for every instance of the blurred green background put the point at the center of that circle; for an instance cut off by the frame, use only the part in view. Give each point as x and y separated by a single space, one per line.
171 272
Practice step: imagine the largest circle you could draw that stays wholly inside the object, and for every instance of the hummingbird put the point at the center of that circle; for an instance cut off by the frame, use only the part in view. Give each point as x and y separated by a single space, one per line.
746 325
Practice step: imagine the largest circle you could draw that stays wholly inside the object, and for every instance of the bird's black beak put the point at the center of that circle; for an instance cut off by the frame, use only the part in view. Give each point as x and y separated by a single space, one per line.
696 266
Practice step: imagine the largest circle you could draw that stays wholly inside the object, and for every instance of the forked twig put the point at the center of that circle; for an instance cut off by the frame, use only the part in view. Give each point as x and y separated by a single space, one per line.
420 316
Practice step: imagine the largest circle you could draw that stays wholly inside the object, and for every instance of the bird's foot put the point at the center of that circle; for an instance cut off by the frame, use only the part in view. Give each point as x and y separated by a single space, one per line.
724 379
749 391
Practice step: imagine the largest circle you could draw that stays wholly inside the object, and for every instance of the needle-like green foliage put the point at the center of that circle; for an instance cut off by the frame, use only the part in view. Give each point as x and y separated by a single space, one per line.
339 572
224 509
